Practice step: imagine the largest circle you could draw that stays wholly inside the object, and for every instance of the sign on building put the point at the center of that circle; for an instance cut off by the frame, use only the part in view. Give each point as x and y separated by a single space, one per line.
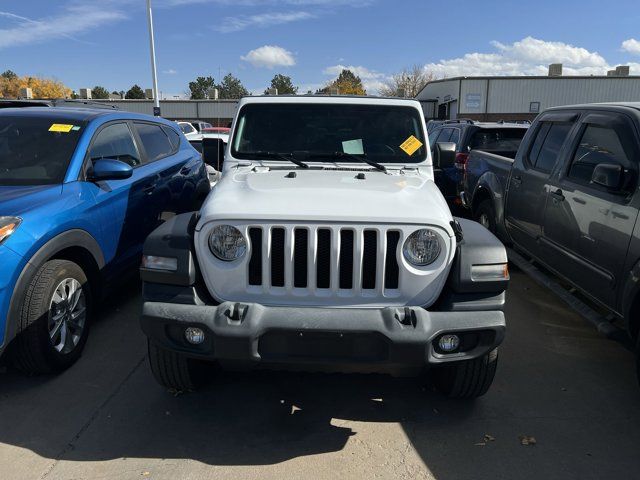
473 100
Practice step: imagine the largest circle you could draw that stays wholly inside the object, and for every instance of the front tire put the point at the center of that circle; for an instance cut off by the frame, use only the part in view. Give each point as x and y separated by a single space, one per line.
174 371
485 215
468 378
54 319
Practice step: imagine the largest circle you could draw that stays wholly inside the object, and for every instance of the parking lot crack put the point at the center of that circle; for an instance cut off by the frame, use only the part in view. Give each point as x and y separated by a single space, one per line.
94 415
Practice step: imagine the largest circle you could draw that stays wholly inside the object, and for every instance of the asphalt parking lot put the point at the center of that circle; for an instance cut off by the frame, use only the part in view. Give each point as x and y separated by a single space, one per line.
558 381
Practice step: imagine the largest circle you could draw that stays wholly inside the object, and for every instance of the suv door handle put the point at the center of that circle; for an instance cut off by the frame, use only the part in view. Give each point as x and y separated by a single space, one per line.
185 170
517 179
148 190
557 196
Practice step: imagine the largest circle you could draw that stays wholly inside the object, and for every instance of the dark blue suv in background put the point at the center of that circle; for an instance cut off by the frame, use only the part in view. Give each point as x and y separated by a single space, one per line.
80 190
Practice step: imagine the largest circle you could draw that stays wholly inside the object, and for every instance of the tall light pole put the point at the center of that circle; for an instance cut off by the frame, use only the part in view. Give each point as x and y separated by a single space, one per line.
156 98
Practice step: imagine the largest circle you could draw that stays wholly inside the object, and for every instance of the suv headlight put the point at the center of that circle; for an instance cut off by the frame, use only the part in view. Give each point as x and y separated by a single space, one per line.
227 243
422 247
8 225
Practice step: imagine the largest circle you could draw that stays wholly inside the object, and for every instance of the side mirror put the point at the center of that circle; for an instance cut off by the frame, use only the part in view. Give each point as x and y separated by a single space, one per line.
110 169
213 152
444 155
608 175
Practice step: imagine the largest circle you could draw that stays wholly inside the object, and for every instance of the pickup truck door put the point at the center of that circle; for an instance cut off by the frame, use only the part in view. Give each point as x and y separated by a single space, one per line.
587 226
529 181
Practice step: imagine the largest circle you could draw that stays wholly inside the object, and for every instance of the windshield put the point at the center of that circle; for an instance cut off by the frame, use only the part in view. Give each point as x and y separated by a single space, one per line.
499 141
36 151
384 133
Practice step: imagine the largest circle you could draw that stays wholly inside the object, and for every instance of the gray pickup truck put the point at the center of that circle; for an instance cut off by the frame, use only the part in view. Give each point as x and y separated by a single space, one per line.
570 200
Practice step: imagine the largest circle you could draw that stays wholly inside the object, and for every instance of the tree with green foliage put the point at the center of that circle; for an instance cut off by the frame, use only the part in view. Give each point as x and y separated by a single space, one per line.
347 83
200 87
283 84
232 88
135 93
99 92
9 75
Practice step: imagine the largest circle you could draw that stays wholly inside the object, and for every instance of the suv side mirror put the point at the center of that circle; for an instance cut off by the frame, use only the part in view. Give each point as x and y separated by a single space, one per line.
444 155
213 152
110 169
608 175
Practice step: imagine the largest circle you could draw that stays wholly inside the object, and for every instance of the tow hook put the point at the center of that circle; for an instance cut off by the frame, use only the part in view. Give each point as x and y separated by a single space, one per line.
236 312
406 317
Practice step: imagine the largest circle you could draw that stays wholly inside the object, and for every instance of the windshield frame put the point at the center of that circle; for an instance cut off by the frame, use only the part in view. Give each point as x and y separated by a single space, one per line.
416 159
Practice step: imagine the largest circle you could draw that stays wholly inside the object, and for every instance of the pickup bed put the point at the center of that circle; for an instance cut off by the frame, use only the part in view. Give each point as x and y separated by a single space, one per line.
570 200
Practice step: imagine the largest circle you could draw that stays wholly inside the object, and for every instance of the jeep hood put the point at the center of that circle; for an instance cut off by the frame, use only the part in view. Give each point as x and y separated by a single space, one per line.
335 196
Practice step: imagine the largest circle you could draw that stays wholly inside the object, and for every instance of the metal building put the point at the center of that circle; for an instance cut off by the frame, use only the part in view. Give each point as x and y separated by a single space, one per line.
216 112
522 98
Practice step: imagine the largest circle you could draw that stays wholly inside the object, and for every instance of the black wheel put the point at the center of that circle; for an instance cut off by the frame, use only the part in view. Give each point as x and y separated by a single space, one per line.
467 379
485 215
175 371
54 319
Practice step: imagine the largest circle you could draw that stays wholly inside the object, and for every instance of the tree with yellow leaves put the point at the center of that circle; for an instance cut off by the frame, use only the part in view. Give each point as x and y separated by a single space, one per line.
10 85
347 83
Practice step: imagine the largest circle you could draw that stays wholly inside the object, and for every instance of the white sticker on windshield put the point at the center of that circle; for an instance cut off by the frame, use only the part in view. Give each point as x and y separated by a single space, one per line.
354 147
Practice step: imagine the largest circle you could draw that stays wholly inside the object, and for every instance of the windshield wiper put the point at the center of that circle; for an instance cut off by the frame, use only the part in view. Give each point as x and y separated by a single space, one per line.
280 156
359 158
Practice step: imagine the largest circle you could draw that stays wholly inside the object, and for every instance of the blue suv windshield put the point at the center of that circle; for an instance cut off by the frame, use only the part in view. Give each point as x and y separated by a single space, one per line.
330 132
36 151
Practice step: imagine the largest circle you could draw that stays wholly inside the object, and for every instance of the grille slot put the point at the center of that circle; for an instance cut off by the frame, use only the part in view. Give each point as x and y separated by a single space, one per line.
369 255
300 257
346 259
391 268
255 263
323 270
277 257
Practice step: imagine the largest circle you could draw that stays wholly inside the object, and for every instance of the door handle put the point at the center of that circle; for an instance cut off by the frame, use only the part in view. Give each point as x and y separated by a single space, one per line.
185 170
517 179
557 196
148 190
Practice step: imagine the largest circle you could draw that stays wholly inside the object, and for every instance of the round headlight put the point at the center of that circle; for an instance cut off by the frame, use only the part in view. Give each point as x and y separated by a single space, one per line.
227 243
422 247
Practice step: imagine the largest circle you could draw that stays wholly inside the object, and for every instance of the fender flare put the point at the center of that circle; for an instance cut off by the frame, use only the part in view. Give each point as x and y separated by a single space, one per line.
67 239
490 183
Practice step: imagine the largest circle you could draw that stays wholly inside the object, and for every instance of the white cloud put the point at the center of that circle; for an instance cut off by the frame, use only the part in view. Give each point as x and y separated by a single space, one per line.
260 3
372 80
171 71
235 24
529 56
75 19
632 46
269 56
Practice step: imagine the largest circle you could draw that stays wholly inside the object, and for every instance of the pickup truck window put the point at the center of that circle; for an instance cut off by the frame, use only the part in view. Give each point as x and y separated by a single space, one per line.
597 145
499 141
376 130
546 146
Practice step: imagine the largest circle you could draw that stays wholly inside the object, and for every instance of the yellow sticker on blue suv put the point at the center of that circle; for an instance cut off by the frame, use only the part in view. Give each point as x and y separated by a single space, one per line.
410 145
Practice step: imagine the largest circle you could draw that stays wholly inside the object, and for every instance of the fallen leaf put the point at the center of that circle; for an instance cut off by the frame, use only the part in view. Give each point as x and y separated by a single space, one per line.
526 440
145 474
489 438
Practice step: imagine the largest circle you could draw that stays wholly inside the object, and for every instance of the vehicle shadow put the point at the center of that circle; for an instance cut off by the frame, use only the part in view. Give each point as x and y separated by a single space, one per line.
558 382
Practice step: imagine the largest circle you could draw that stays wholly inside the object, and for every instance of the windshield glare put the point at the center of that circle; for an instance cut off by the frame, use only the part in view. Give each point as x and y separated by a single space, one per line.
378 131
36 151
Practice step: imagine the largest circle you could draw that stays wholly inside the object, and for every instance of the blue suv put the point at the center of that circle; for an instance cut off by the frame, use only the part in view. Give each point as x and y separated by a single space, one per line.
80 190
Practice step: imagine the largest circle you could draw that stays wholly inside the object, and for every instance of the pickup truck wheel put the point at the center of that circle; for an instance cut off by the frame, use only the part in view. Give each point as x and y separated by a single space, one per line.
173 370
54 319
485 215
469 378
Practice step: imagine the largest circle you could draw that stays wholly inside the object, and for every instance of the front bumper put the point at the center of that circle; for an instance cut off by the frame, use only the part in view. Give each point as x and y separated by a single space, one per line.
386 337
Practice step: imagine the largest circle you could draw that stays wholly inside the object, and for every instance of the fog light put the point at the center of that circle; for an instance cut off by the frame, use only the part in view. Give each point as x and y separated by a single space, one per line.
449 343
194 335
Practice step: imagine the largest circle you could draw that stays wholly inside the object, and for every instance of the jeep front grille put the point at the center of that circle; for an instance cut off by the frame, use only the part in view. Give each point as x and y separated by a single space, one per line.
323 259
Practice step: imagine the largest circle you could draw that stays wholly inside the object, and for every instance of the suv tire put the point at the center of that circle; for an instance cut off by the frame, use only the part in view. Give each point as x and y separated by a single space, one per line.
485 215
174 371
54 319
468 378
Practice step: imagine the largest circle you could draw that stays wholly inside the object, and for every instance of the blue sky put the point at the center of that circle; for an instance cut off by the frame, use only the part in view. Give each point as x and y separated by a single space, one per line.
104 42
